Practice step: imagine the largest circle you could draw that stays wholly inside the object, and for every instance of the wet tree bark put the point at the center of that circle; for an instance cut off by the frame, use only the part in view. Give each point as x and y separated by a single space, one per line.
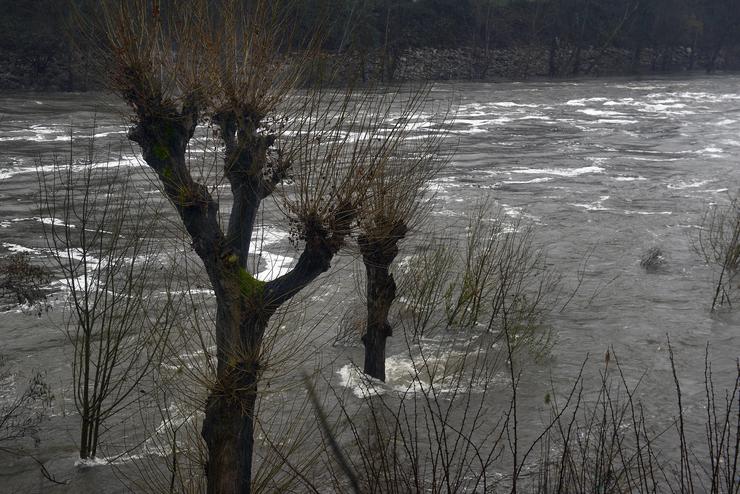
228 430
377 255
381 290
244 304
228 427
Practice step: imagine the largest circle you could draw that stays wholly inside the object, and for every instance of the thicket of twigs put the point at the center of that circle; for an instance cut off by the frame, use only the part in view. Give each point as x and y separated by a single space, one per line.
718 242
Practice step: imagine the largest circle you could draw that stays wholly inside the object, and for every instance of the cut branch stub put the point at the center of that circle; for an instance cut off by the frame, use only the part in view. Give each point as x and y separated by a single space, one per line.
381 248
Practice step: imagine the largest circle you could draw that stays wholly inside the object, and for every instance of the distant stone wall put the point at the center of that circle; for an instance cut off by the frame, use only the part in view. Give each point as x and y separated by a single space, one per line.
22 73
517 63
414 64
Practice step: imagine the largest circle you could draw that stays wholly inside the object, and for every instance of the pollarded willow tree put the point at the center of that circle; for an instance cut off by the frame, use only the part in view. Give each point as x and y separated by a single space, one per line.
393 206
230 65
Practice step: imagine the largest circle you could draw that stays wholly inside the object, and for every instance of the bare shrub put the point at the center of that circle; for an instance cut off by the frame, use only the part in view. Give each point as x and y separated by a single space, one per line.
496 280
718 243
117 326
653 259
23 282
22 408
458 431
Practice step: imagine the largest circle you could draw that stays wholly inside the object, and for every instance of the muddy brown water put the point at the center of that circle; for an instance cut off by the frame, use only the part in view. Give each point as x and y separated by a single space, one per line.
610 166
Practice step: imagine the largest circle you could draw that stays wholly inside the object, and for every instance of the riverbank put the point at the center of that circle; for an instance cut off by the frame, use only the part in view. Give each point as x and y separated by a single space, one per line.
527 62
18 73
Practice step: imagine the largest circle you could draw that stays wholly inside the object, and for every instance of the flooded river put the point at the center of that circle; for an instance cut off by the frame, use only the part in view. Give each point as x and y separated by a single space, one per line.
605 169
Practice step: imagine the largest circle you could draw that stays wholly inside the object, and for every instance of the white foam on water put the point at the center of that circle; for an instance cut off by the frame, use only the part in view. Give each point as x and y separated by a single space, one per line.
516 212
623 178
601 113
19 248
538 180
663 108
362 385
725 122
620 102
437 372
536 117
86 282
39 133
109 133
123 161
561 172
442 184
277 266
638 158
707 97
730 142
477 123
687 185
46 221
445 212
472 130
594 206
511 104
583 101
714 191
92 462
639 87
268 235
191 291
648 213
616 121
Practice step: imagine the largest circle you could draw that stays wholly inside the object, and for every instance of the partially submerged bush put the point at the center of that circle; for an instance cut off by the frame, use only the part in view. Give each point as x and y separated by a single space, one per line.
653 259
718 243
22 410
461 435
496 280
22 282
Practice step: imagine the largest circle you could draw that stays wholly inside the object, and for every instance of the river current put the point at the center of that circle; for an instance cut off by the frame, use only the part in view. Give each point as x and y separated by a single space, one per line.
604 169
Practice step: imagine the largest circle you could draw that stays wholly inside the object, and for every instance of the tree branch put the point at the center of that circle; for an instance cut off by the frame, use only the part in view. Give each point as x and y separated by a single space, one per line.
321 245
249 174
163 133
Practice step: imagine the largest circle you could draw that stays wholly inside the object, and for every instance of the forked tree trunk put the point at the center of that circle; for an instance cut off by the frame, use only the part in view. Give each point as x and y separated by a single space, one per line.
244 305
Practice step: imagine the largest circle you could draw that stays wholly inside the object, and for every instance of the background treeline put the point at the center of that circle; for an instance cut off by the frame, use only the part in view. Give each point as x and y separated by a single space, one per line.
560 37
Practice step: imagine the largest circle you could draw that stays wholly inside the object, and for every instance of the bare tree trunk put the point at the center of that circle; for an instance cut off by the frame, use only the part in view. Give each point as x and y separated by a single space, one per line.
377 256
228 428
381 290
164 126
229 433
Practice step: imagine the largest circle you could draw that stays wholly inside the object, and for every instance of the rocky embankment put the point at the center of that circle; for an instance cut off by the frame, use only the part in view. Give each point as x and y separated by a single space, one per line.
532 61
19 73
22 72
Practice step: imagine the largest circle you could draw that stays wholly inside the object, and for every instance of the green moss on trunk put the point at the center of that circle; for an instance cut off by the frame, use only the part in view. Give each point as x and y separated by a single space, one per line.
249 285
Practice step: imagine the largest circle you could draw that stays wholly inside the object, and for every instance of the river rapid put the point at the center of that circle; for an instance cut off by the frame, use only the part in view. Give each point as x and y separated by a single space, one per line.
605 169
